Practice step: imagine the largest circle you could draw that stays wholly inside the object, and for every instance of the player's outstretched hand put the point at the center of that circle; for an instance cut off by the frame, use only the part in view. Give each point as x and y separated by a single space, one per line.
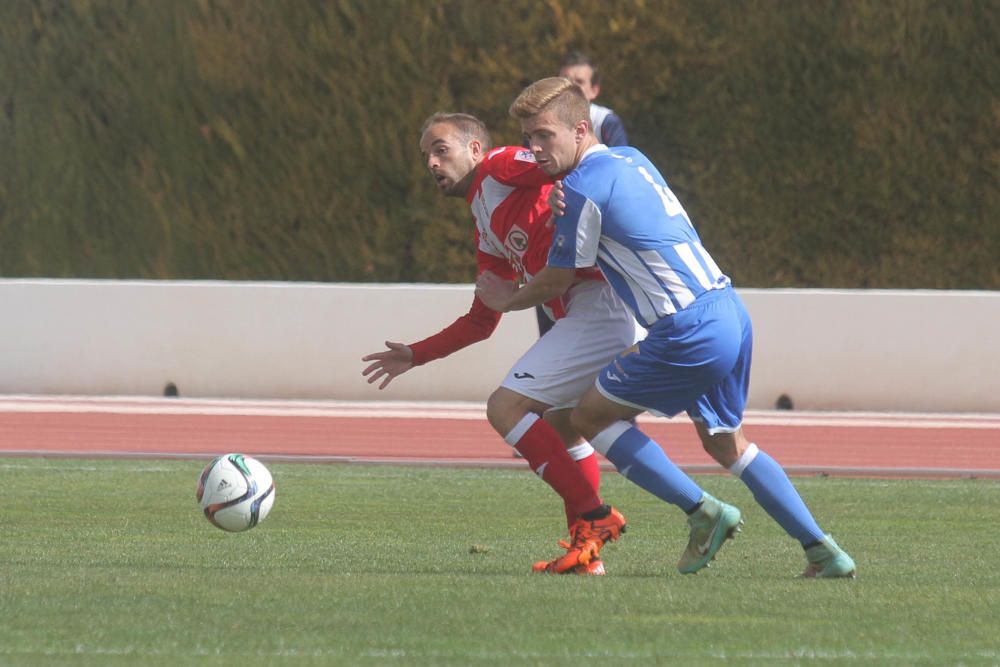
493 290
557 202
395 361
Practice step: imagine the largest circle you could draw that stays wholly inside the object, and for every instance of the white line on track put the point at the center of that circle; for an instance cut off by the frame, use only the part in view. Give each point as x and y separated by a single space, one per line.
446 410
695 468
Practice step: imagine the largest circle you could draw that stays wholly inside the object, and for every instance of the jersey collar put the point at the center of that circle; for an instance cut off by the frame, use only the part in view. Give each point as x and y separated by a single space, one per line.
593 149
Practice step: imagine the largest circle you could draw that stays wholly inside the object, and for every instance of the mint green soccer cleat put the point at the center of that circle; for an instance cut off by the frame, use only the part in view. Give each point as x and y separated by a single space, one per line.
713 524
828 561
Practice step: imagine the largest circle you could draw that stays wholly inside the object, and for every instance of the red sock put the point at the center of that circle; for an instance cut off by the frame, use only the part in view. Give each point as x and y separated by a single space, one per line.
543 449
591 469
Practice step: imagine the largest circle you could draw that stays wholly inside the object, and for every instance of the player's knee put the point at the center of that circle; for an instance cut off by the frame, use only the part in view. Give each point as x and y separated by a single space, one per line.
560 421
722 454
723 447
583 422
504 409
495 407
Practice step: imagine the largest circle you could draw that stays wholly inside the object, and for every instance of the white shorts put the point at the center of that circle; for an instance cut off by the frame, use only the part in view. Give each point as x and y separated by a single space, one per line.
561 366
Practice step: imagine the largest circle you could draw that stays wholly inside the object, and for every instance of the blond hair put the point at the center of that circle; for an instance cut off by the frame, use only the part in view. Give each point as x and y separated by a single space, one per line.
469 127
557 94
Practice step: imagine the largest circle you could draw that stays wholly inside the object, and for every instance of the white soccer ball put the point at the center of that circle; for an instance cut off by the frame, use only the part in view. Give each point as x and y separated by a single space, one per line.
236 492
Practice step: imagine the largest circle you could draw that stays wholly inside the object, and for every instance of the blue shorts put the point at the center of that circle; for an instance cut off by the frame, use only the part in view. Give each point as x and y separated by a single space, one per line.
696 360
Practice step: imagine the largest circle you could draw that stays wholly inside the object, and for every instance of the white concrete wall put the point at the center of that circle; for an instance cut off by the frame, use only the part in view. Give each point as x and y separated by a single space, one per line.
921 350
826 349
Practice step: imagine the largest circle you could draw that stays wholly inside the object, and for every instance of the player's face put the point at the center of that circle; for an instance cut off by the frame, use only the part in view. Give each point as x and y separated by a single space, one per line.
556 145
451 161
583 76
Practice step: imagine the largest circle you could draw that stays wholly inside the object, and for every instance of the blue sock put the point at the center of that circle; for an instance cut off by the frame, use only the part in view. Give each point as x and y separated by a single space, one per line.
775 493
642 462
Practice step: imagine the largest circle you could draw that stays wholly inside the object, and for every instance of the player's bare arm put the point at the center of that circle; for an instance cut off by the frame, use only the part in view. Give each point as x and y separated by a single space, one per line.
503 297
493 290
388 364
557 202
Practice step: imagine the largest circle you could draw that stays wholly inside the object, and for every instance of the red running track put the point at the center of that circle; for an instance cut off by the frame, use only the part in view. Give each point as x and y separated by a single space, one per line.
857 444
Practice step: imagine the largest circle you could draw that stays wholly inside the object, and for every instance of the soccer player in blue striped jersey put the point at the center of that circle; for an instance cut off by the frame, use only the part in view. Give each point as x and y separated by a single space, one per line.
620 214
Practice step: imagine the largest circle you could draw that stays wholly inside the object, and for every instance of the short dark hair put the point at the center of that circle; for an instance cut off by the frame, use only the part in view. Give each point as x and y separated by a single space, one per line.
574 58
467 125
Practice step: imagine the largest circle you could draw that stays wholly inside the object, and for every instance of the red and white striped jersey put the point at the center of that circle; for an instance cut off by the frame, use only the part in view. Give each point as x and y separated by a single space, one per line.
508 202
507 199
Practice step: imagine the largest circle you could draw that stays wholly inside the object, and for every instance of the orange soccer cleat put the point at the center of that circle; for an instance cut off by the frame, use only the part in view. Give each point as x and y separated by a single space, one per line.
583 552
594 568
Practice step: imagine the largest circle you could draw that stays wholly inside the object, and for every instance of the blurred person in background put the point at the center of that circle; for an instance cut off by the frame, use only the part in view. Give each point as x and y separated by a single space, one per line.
605 123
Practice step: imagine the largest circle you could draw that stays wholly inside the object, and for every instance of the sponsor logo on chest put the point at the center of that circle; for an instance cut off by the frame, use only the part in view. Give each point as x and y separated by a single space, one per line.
517 241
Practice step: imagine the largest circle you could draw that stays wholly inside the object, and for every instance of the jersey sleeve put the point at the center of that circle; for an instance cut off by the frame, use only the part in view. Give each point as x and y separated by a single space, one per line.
476 325
516 166
613 131
578 231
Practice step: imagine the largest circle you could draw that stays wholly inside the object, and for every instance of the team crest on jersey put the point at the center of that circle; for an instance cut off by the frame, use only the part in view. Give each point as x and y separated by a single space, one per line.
524 156
517 240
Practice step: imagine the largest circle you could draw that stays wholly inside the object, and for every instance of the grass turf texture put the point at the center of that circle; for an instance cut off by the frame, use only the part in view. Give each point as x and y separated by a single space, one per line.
110 562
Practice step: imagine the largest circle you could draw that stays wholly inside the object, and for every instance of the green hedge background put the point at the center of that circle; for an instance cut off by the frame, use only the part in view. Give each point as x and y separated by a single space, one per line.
838 143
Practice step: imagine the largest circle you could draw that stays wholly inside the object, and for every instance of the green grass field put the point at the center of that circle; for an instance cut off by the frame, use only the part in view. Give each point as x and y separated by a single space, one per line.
110 562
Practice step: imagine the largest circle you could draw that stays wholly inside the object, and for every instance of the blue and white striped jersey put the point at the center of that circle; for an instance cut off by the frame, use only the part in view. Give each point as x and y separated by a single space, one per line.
621 215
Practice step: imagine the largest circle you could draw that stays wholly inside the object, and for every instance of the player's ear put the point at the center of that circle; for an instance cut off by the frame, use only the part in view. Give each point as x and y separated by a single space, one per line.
475 148
581 130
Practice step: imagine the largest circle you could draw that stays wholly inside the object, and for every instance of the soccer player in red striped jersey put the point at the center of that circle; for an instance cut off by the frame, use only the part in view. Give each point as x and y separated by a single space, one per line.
507 194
